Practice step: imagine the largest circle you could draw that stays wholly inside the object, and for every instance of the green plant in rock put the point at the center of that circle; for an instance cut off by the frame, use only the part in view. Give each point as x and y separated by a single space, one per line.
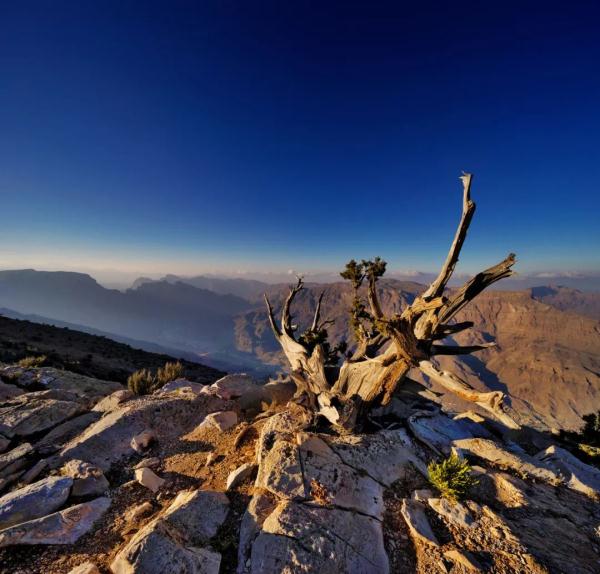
144 382
168 373
141 382
451 477
32 361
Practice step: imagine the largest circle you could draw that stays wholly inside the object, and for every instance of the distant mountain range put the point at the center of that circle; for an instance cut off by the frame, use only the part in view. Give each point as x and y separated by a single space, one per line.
548 355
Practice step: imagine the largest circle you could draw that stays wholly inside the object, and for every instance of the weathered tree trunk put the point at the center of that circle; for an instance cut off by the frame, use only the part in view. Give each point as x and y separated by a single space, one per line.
388 347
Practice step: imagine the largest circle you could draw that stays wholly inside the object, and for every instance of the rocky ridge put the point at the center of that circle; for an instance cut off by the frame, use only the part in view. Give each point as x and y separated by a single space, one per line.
228 478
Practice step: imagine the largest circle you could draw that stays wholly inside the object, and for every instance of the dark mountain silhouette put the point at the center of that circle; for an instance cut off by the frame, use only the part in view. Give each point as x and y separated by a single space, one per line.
174 315
246 288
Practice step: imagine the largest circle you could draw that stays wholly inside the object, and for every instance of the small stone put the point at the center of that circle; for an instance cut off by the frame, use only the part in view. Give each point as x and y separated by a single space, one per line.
240 474
148 463
211 458
148 479
222 420
88 479
85 568
139 511
141 442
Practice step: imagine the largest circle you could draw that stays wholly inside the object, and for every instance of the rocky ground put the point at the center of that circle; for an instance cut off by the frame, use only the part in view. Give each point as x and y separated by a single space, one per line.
226 478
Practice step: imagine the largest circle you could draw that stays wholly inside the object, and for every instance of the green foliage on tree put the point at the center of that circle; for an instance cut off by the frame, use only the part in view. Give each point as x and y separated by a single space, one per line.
364 325
451 477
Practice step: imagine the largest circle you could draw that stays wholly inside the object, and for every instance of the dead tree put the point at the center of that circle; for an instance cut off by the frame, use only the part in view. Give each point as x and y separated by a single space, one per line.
388 347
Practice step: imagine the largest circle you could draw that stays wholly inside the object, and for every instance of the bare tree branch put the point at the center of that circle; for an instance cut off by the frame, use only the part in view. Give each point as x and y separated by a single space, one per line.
315 323
491 402
274 326
437 287
475 286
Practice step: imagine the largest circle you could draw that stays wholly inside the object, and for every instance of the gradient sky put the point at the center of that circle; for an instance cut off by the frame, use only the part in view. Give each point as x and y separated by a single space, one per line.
211 136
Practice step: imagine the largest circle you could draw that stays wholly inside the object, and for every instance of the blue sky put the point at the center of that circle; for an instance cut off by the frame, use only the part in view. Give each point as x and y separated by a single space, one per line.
222 136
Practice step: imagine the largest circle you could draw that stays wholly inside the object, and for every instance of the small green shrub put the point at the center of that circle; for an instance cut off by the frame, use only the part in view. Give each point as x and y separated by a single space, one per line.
32 361
143 382
451 477
168 373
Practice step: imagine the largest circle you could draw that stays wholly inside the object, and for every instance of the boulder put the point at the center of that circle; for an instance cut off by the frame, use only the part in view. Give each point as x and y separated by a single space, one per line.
88 479
34 500
240 474
414 515
180 385
523 464
222 420
23 417
578 475
114 400
298 537
197 515
85 568
64 527
235 385
153 551
148 479
142 441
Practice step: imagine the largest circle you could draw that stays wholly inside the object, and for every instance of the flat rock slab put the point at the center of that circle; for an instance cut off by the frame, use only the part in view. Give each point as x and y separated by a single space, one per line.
8 459
52 378
578 475
523 464
439 431
113 401
454 513
34 501
222 420
297 537
180 385
64 432
64 527
197 515
414 515
234 385
24 417
109 439
153 551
